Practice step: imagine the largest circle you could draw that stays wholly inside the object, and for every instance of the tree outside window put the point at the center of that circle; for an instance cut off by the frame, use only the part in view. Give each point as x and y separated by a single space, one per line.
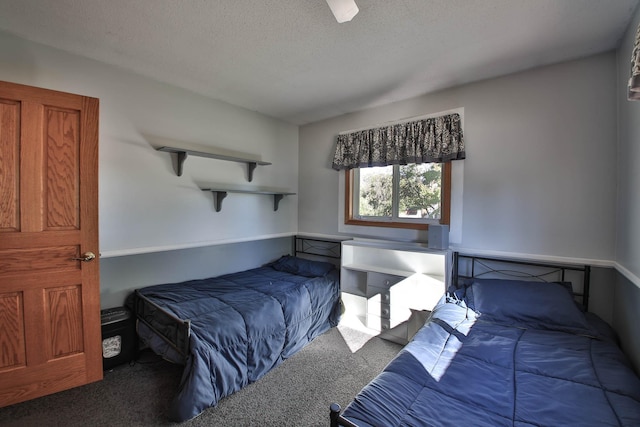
407 196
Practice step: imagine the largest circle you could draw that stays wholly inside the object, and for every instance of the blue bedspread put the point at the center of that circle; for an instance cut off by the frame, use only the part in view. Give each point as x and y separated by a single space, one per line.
243 325
463 370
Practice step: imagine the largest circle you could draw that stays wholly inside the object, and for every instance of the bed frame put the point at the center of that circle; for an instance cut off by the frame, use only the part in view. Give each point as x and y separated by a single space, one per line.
472 266
465 267
324 248
175 332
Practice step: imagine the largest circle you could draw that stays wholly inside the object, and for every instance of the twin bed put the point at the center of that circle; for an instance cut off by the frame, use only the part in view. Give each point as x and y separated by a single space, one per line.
494 351
504 352
229 331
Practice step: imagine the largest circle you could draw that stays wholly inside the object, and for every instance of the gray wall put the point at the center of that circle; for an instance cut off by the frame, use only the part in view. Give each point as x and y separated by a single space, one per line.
626 317
627 293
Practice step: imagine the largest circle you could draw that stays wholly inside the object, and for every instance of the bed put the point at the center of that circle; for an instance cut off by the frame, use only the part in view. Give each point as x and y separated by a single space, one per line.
504 351
229 331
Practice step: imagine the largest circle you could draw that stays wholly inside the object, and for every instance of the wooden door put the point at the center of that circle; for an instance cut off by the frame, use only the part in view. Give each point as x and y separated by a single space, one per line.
50 333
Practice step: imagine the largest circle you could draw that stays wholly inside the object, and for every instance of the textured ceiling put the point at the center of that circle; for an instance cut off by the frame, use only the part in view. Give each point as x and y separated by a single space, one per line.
291 60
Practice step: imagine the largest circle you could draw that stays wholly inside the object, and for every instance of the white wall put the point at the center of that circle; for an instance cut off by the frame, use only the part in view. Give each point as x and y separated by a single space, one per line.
628 200
551 172
540 174
534 182
627 293
143 204
535 178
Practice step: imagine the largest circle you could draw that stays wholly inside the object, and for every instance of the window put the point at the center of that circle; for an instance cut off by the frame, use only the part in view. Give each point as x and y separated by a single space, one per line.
381 193
401 196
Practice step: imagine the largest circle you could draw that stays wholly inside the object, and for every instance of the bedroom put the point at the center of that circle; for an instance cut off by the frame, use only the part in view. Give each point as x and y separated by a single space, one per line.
150 218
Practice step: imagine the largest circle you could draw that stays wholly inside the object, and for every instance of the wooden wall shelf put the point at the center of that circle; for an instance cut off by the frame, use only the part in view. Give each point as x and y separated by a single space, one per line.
183 153
220 194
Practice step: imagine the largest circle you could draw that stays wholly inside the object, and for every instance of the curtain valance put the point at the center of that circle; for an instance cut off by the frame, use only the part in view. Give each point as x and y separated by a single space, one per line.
634 79
433 140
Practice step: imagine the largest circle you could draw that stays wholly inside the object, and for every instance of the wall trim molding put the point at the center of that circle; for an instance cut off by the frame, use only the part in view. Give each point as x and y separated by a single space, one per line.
536 257
153 249
628 274
470 251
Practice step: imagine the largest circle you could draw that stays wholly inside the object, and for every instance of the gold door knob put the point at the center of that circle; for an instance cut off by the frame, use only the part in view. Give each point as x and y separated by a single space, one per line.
86 257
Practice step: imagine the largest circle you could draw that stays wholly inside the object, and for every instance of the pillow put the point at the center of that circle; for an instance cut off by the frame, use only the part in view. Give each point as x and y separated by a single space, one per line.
538 305
460 288
302 267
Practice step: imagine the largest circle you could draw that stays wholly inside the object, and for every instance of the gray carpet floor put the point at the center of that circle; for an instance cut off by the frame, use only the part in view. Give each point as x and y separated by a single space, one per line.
333 368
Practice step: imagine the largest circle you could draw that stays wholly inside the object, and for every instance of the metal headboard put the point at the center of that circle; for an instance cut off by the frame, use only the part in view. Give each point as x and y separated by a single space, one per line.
321 247
472 266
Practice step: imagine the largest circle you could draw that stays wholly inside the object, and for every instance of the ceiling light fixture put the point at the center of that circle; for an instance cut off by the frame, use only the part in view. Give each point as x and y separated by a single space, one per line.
343 10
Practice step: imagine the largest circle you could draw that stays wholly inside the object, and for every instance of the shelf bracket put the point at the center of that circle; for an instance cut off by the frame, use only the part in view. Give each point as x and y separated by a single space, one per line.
276 201
178 158
251 166
218 197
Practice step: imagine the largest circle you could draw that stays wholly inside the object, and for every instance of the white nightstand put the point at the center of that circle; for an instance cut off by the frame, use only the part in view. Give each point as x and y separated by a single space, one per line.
391 287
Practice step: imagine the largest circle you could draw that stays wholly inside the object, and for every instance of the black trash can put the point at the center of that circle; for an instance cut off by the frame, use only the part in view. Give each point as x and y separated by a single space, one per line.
119 340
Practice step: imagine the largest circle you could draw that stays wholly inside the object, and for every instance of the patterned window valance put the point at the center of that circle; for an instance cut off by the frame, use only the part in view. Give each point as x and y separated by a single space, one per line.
433 140
634 80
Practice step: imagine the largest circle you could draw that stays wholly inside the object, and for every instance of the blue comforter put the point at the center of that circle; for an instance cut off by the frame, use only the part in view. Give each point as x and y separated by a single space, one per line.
242 326
466 369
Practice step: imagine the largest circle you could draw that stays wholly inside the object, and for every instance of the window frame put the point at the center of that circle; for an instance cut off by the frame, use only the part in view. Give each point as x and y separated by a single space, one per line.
408 224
